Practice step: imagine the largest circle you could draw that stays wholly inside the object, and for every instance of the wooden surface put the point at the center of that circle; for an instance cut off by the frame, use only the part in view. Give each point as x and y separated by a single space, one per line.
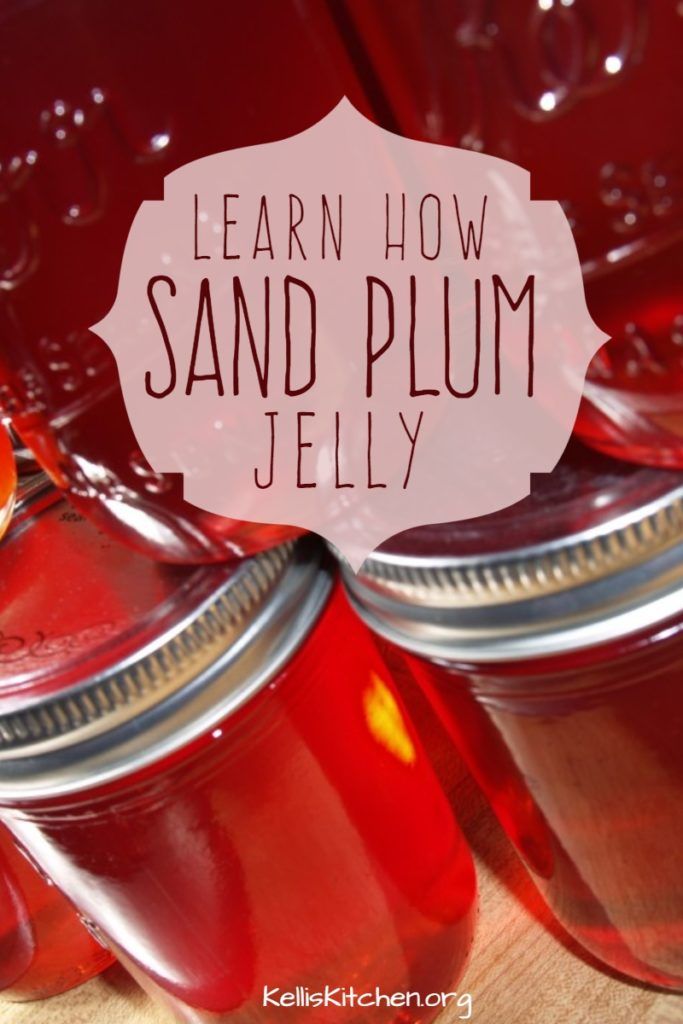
523 970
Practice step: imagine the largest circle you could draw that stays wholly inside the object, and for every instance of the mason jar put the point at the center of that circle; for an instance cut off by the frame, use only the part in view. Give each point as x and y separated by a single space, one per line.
557 86
45 948
214 765
549 639
104 104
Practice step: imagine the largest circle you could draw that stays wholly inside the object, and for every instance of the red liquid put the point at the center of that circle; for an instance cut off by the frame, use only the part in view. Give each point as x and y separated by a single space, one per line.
581 757
44 948
588 96
305 842
104 105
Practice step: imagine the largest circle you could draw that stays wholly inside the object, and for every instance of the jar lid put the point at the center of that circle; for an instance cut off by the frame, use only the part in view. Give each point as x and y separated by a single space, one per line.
110 661
595 552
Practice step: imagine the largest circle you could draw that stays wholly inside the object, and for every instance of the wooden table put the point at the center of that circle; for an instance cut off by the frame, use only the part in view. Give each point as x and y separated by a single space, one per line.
524 969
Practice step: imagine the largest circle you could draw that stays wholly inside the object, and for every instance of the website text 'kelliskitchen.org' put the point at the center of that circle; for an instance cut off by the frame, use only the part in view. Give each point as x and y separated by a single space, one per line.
343 996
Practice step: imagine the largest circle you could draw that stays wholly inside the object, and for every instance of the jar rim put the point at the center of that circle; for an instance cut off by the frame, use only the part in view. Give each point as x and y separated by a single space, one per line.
610 580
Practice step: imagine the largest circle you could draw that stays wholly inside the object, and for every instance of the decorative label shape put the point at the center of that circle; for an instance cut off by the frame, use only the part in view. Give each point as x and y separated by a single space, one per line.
351 332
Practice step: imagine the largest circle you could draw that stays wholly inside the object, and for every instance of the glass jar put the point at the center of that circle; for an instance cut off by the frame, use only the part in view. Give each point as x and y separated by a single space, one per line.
44 947
557 86
549 638
104 104
215 766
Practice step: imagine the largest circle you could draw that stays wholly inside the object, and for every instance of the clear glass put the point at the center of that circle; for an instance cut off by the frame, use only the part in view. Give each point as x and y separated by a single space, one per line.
305 842
44 947
581 758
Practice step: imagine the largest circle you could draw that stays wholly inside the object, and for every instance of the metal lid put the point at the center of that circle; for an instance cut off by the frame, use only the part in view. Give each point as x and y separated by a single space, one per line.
594 553
109 661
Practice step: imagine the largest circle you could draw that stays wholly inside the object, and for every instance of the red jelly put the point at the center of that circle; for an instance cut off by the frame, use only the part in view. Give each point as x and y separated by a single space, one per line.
223 778
549 637
104 105
588 96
